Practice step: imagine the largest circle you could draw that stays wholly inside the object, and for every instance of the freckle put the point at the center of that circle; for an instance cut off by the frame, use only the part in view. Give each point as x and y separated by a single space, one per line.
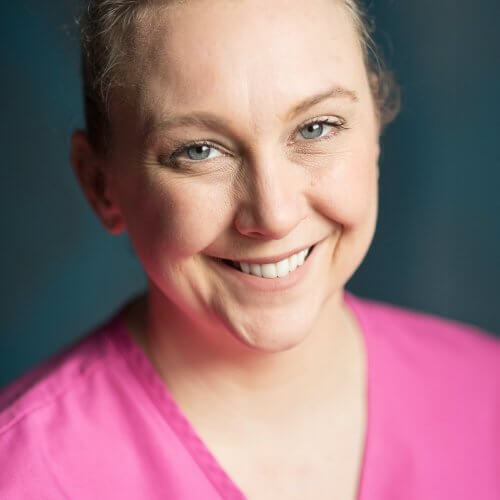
313 180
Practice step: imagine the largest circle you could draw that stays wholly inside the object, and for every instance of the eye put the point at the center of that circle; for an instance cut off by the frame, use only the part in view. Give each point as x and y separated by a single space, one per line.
198 151
188 154
320 128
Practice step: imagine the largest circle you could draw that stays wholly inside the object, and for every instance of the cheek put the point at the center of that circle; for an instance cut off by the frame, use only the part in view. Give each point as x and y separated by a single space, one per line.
175 218
348 188
197 217
349 193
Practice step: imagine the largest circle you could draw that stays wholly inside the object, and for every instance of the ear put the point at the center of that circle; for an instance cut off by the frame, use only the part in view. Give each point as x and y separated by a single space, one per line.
94 176
374 84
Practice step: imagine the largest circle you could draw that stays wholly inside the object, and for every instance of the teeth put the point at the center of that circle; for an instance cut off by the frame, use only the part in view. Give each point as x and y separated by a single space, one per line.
256 270
300 258
283 268
275 270
269 270
245 267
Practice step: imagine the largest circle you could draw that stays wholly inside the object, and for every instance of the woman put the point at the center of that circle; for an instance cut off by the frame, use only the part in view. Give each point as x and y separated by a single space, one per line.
237 143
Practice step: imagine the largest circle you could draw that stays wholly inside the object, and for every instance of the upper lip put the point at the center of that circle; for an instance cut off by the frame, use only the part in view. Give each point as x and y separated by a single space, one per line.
273 259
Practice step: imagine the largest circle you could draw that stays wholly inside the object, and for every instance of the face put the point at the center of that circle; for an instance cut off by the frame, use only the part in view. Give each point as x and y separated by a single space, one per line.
251 134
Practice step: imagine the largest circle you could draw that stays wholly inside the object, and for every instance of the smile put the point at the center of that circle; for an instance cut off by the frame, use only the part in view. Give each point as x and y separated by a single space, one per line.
272 270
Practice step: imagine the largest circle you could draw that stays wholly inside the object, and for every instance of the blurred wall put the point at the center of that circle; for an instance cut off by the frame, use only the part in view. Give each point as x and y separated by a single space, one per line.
436 247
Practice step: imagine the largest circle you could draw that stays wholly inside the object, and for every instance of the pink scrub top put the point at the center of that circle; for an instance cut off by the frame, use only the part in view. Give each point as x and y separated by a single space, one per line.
97 422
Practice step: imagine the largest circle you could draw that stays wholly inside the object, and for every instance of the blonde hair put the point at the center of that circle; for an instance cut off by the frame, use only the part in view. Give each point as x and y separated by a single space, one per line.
106 28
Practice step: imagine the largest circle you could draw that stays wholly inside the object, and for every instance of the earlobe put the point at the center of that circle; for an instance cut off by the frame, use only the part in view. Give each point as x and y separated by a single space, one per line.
94 177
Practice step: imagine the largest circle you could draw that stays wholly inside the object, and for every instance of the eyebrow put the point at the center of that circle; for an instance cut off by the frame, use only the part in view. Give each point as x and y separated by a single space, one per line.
309 102
212 121
197 119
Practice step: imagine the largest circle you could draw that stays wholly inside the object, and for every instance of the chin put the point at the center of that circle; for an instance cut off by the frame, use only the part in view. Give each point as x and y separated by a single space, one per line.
273 344
275 334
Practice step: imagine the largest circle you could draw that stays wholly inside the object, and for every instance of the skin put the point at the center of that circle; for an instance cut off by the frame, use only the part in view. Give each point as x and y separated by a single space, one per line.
220 346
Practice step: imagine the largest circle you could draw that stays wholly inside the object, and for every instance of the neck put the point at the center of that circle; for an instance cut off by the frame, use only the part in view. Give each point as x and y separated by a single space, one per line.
212 370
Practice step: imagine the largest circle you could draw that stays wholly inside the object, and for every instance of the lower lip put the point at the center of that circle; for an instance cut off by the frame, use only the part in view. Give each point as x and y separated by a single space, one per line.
291 280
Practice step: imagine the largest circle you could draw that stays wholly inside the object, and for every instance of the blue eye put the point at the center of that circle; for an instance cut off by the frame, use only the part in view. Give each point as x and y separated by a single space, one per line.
317 129
198 152
191 153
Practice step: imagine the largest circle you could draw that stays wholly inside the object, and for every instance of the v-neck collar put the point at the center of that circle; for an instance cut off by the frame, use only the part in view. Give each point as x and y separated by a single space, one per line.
163 400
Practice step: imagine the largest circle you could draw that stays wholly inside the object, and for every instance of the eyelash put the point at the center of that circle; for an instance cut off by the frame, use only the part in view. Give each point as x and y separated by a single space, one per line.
338 124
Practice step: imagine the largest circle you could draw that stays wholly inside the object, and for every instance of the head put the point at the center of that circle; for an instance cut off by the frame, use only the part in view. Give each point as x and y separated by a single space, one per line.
235 130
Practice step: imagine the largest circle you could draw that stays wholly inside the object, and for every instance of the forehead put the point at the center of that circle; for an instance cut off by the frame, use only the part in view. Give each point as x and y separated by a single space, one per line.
244 55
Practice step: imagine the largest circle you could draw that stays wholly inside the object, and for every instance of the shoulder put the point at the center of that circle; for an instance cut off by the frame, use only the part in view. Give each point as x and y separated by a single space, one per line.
434 398
430 361
97 422
427 337
48 405
52 379
430 368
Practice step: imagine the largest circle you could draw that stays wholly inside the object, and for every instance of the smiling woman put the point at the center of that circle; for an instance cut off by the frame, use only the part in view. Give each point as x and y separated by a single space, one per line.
237 143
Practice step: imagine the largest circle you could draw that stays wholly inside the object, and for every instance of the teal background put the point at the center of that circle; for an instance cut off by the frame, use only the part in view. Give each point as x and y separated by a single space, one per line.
436 246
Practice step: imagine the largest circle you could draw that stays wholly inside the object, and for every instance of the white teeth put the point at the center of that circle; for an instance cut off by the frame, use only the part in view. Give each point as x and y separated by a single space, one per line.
245 267
282 268
269 270
256 270
278 269
300 258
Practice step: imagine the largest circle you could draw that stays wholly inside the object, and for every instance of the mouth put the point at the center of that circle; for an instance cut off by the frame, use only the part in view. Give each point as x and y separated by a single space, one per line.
273 270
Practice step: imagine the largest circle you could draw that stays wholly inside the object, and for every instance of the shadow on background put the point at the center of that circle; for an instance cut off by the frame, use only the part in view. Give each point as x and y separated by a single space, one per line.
436 246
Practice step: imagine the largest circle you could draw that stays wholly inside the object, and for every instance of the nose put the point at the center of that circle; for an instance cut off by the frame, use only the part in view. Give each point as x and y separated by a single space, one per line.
272 199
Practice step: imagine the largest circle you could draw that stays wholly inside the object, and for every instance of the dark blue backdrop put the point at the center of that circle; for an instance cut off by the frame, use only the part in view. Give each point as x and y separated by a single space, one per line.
436 247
